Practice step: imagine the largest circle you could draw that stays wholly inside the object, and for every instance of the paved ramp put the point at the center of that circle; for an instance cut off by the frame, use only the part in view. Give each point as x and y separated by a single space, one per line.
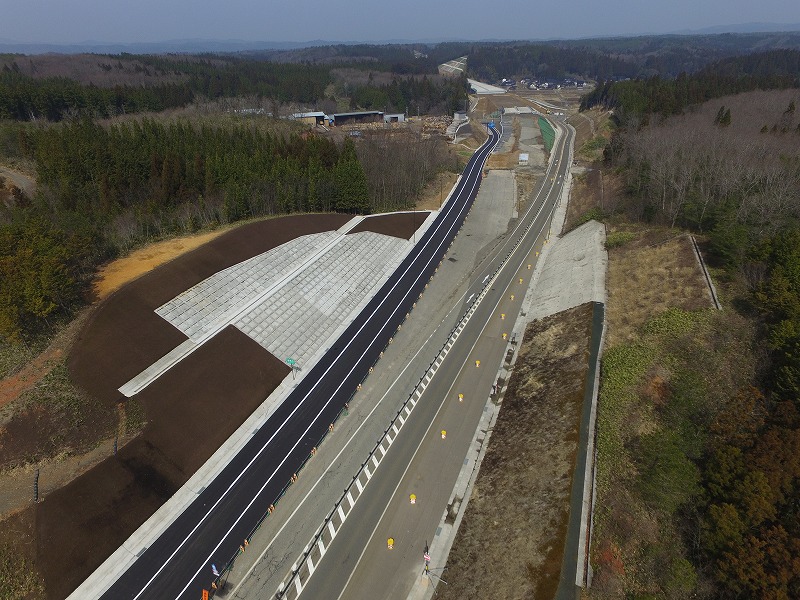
574 272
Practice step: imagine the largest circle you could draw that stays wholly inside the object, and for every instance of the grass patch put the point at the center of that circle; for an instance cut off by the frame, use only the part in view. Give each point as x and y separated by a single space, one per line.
615 239
135 416
592 150
14 356
593 214
54 418
18 577
622 368
648 274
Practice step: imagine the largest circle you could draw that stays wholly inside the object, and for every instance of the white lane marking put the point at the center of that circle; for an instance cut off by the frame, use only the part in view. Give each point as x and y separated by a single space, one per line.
479 162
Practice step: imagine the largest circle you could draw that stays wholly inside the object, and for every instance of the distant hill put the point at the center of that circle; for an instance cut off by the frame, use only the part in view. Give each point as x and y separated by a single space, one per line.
188 46
193 46
743 28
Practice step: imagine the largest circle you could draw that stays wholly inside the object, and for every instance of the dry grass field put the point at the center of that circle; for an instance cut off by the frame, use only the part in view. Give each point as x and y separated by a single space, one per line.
653 271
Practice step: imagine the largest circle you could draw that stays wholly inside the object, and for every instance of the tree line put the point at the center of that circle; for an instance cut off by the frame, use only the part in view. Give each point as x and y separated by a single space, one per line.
24 98
492 62
638 99
416 95
27 98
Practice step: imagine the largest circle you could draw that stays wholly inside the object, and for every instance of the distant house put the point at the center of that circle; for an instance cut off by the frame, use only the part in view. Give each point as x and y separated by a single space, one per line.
311 118
353 118
394 118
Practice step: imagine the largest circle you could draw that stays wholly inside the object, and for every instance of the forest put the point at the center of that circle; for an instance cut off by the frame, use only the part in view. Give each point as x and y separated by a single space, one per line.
641 98
718 468
167 82
597 58
102 86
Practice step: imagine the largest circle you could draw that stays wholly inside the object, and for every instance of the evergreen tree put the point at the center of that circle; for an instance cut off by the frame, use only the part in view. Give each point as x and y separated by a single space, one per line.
352 194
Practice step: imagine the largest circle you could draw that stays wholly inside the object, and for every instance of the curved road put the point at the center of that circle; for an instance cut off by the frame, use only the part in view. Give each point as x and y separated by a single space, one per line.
358 564
209 531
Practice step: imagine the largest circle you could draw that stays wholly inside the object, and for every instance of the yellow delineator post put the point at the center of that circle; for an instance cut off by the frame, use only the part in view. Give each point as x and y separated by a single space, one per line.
390 543
461 397
413 498
444 434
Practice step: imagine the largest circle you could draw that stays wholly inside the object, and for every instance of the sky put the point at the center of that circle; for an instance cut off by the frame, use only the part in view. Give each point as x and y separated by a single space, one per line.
142 21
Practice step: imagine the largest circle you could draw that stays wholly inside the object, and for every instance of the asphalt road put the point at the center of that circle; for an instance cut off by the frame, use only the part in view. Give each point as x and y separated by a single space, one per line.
279 541
210 530
358 564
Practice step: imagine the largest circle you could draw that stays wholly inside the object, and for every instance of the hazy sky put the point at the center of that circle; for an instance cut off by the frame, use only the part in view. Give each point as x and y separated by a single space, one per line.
126 21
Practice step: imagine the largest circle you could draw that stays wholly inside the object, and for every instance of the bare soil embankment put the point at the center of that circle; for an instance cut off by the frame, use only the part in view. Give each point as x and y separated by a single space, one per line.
188 413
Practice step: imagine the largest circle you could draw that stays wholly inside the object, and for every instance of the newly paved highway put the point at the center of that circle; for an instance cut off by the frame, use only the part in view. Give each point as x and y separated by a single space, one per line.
358 564
179 563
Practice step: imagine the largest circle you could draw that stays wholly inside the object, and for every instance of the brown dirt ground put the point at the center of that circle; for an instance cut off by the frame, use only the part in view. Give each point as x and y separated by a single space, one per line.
78 525
402 225
517 515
